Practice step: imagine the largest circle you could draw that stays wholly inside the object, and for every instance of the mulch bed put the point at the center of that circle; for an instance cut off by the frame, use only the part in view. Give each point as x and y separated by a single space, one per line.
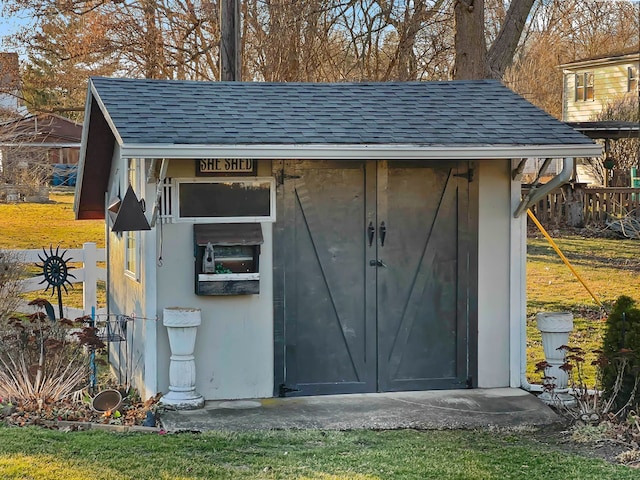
79 415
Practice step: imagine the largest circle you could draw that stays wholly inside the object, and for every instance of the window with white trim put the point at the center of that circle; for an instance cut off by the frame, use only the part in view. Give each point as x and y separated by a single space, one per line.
132 238
224 200
632 79
584 86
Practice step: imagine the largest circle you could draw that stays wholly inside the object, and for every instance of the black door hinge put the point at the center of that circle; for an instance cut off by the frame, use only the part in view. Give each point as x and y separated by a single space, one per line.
468 175
281 177
283 390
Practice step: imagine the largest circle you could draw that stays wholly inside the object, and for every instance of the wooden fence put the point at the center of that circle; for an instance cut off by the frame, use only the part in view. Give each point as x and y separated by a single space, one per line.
587 206
88 275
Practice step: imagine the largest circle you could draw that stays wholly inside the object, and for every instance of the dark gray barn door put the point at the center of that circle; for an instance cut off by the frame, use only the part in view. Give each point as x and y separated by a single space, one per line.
374 277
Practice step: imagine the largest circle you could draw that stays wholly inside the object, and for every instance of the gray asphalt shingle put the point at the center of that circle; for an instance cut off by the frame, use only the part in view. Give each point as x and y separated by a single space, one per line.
419 113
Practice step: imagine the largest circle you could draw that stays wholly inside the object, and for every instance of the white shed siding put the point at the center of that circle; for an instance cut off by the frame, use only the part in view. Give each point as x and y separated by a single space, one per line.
234 346
610 83
128 297
494 273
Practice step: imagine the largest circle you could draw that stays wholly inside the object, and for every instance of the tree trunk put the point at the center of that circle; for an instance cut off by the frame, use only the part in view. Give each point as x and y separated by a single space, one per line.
503 49
470 47
472 59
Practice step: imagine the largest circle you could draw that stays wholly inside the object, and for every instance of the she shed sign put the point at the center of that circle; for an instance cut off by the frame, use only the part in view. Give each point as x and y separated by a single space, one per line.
225 166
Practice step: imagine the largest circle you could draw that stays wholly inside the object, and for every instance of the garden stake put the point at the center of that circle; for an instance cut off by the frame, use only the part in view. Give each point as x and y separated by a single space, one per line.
92 355
55 270
561 255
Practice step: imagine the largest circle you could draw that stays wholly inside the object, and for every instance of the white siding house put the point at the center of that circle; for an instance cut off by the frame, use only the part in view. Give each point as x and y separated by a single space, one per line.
590 84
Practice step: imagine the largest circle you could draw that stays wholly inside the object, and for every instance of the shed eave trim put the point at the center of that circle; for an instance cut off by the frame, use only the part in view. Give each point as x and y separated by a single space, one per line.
371 152
96 96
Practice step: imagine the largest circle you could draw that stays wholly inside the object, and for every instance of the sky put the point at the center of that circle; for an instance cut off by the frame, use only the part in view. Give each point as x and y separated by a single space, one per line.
8 26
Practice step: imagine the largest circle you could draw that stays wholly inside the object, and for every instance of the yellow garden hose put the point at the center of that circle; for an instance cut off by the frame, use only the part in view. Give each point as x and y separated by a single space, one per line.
561 255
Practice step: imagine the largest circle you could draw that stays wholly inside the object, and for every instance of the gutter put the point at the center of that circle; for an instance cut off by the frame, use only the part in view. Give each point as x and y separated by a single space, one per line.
358 151
539 191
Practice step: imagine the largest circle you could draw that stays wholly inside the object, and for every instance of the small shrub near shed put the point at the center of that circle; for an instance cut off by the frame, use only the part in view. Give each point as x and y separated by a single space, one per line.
621 348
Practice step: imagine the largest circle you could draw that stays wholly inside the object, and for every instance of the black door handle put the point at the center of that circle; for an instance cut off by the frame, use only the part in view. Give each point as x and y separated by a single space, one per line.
371 231
377 263
383 233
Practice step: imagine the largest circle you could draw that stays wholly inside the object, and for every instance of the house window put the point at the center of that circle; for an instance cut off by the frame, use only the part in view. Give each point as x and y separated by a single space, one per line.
584 86
632 79
225 200
132 239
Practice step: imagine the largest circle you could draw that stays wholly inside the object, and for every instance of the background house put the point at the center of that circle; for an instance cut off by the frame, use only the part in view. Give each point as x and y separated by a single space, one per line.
590 84
337 238
35 149
597 92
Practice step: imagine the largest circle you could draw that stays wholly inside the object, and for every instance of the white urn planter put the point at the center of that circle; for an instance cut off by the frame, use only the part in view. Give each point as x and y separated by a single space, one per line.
555 328
182 327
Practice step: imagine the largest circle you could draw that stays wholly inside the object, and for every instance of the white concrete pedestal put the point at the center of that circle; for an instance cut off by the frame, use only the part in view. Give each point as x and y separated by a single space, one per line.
555 328
182 325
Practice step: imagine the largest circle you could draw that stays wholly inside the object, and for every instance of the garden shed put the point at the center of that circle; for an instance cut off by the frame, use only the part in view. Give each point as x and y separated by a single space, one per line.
335 237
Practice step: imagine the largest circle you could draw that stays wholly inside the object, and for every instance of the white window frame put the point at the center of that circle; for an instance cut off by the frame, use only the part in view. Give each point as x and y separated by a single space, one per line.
583 95
136 183
632 77
247 219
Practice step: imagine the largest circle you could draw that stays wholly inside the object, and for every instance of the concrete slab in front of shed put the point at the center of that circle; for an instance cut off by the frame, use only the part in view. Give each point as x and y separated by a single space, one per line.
442 409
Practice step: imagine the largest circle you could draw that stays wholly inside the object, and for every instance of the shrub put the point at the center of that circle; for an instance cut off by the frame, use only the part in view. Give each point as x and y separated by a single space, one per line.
11 270
621 349
43 361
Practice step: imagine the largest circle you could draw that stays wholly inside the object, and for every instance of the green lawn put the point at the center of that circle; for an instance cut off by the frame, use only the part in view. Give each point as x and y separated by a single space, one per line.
610 267
35 225
25 226
359 455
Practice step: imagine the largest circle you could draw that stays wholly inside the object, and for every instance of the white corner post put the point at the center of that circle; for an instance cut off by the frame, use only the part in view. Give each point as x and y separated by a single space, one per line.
182 326
555 328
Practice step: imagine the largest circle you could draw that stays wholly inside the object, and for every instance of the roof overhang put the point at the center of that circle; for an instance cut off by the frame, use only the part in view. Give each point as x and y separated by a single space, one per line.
607 129
364 152
594 62
91 184
40 145
100 136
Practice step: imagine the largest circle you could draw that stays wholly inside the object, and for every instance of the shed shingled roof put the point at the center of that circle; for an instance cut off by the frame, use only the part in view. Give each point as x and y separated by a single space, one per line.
463 113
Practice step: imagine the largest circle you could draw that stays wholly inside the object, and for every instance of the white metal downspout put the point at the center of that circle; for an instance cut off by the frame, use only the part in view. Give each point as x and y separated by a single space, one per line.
518 297
524 383
534 195
537 192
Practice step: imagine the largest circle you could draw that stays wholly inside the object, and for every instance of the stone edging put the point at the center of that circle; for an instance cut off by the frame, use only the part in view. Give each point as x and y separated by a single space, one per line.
82 426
